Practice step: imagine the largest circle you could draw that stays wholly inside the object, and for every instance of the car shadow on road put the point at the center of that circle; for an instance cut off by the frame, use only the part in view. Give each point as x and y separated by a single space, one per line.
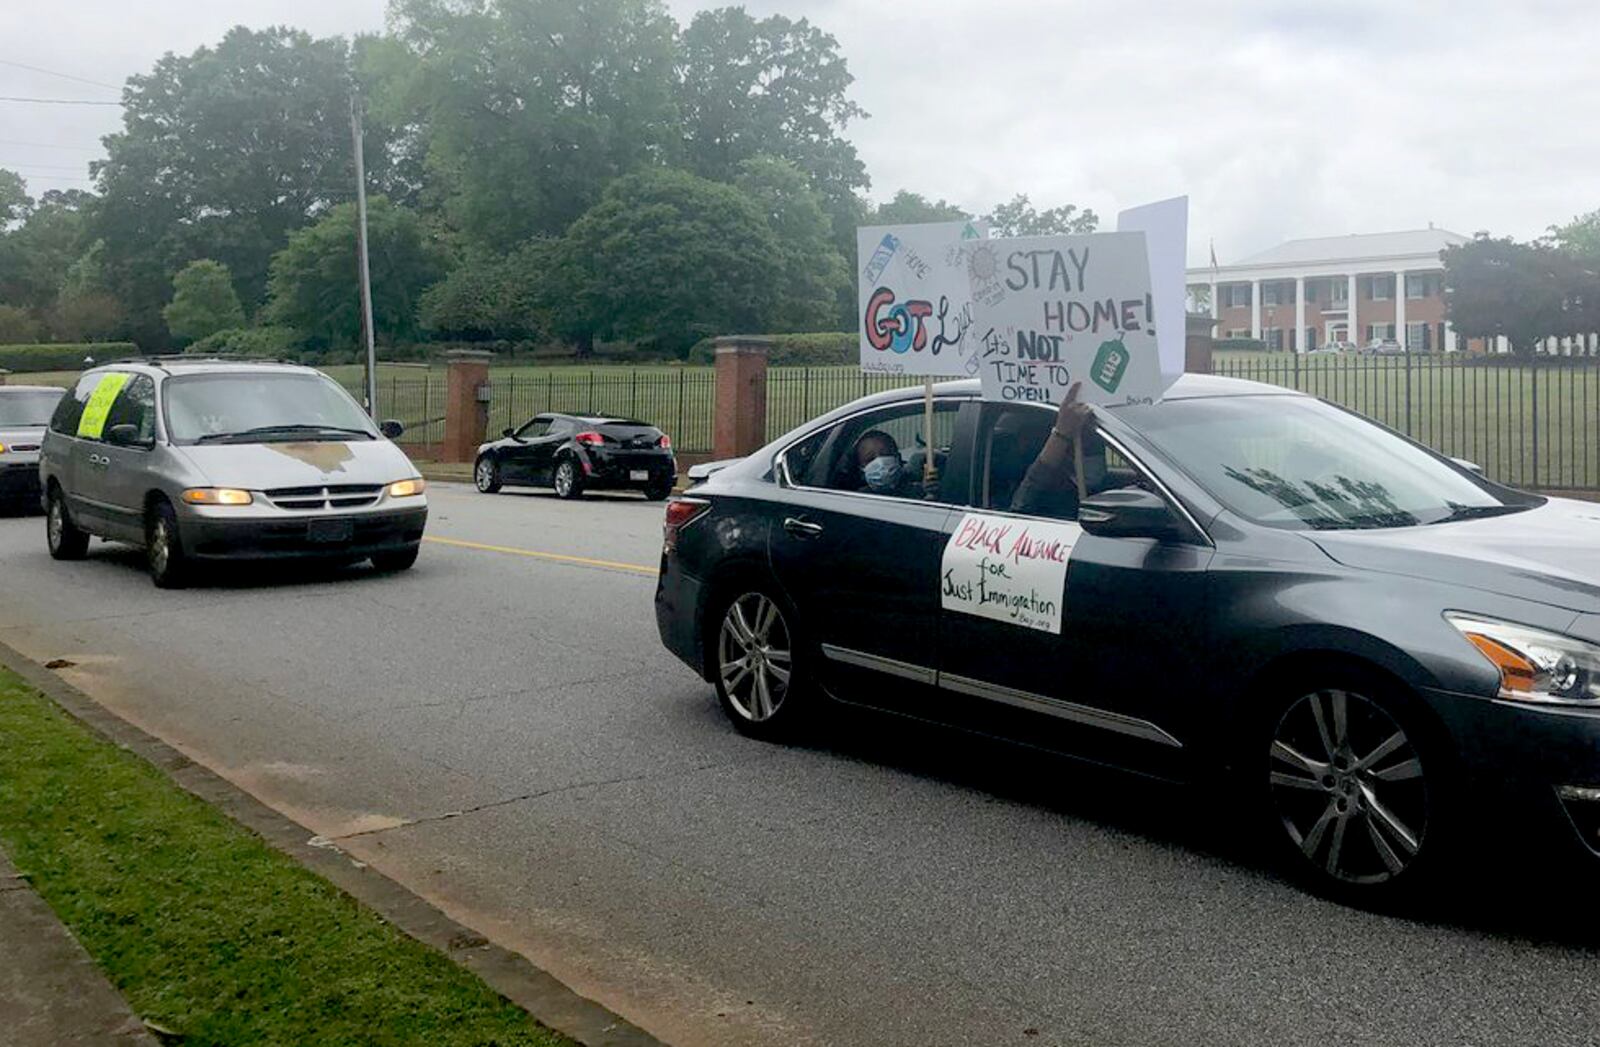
247 575
1506 892
597 497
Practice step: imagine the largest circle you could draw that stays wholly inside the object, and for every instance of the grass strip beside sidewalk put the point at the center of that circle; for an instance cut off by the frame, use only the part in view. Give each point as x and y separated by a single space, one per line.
206 929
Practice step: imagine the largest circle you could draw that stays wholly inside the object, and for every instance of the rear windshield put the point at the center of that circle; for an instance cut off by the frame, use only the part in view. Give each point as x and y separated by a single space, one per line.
28 407
623 432
261 406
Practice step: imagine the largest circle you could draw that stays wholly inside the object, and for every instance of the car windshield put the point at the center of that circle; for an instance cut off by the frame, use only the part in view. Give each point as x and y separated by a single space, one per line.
28 407
258 406
1298 463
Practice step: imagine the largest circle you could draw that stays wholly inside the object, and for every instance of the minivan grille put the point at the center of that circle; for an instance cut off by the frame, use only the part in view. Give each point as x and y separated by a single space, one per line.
333 496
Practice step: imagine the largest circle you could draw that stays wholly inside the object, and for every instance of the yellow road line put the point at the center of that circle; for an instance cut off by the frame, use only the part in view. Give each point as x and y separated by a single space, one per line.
580 561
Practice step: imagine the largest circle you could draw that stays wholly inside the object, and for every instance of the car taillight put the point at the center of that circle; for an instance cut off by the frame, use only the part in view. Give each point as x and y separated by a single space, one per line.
681 512
591 438
665 443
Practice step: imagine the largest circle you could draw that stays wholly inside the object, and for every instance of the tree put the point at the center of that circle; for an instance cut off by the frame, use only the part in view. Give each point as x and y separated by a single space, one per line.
15 203
88 316
18 326
529 107
908 208
222 154
750 87
491 296
669 258
203 301
1501 287
314 286
811 272
1581 236
36 255
1018 218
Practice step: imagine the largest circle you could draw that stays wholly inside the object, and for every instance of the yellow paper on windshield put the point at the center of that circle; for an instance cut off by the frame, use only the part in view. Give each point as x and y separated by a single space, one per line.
93 422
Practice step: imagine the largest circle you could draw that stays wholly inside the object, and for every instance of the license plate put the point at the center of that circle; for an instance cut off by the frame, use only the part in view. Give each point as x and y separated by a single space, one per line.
638 474
329 531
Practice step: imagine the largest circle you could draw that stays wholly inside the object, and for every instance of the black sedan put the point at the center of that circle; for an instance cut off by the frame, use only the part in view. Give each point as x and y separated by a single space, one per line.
575 453
1366 646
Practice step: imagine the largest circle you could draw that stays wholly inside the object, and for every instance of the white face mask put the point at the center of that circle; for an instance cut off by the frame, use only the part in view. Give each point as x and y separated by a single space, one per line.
883 472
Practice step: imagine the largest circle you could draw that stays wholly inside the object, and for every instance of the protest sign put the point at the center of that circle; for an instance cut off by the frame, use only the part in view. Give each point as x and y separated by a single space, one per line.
1008 569
1165 225
1049 311
914 298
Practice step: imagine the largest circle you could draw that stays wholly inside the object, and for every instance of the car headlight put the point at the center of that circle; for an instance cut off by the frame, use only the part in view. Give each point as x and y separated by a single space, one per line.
217 496
1534 665
407 488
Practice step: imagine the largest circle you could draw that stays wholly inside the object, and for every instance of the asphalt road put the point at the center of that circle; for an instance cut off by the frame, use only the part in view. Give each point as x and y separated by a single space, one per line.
504 733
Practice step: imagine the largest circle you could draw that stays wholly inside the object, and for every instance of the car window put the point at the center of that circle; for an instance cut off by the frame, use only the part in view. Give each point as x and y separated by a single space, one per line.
70 410
833 458
562 426
28 407
534 429
1010 439
236 404
135 406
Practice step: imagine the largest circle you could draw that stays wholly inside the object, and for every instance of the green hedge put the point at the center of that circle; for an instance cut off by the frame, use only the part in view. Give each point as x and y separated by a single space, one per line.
1254 345
819 349
269 342
65 356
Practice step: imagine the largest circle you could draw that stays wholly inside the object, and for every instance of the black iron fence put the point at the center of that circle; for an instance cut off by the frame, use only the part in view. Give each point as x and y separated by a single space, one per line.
1528 423
680 400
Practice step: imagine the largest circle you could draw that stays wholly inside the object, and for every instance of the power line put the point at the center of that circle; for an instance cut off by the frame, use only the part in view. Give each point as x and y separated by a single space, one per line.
41 167
56 101
50 145
64 76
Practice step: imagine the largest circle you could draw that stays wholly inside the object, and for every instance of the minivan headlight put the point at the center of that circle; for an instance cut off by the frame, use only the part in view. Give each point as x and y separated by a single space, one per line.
217 496
1534 665
407 488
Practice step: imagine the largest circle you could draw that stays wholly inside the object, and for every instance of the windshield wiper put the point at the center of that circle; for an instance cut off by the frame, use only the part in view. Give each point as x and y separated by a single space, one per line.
1476 512
268 430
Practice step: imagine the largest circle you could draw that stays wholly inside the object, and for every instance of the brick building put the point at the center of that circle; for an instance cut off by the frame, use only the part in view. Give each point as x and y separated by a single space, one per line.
1306 293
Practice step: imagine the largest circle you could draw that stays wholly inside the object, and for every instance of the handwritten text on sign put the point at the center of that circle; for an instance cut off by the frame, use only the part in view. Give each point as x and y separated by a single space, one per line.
914 296
1008 569
1049 311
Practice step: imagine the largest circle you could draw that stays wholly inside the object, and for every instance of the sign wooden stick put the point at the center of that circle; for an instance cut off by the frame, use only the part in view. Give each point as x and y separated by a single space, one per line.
929 470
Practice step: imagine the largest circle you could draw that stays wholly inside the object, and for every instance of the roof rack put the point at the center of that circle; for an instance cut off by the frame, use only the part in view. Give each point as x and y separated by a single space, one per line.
161 360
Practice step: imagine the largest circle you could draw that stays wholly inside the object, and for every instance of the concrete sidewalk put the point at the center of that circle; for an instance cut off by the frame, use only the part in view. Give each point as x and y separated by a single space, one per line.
51 993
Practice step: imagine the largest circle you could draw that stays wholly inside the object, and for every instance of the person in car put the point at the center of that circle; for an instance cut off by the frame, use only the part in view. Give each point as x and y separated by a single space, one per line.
877 458
1050 486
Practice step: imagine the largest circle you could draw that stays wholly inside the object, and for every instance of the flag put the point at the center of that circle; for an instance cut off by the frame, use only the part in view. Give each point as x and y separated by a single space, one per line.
1213 256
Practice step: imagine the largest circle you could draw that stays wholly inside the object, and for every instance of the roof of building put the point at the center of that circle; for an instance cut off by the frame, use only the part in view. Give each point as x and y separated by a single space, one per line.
1356 245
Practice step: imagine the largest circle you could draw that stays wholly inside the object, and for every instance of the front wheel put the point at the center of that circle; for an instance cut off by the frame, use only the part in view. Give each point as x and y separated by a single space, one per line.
568 483
397 560
1357 792
164 555
486 475
753 656
65 540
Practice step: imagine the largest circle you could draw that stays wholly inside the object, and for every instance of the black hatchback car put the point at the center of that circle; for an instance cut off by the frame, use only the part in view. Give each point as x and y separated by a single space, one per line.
577 453
1354 636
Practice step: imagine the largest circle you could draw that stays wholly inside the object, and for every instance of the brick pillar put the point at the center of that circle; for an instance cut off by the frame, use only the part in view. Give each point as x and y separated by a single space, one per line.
466 417
741 413
1197 343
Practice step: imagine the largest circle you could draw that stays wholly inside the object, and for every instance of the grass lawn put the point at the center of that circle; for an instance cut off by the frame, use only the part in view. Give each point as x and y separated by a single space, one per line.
202 926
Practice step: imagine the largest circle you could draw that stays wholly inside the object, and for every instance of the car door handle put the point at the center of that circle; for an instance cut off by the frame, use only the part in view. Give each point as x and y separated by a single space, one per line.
802 528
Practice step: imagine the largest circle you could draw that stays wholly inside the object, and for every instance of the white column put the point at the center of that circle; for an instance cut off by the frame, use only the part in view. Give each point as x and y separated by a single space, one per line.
1215 305
1449 337
1300 314
1351 320
1255 308
1400 307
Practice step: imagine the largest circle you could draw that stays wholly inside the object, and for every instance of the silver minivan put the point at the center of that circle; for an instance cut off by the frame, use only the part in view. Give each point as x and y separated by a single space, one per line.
198 460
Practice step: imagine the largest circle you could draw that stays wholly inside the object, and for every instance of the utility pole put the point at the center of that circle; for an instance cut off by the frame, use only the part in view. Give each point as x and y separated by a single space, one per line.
361 250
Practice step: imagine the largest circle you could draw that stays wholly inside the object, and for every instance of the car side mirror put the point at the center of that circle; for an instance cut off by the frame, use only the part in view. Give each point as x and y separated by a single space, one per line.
1130 512
508 432
391 428
1471 467
126 435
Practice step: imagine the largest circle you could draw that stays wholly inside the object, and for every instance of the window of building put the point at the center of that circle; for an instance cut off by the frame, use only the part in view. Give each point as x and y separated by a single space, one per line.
1277 293
1238 332
1379 332
1338 291
1422 285
1417 338
1273 336
1380 288
1235 296
1311 339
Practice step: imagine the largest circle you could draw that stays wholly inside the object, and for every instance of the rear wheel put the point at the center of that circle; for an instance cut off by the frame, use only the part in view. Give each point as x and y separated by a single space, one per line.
753 657
398 560
1357 791
169 567
568 482
656 492
65 540
486 475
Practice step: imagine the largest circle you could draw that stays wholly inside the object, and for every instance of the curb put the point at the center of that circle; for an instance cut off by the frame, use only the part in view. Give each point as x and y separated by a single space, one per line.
539 993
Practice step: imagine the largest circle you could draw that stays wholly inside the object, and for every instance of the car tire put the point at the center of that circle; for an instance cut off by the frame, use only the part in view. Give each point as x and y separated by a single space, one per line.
1357 787
486 475
66 541
163 548
657 492
397 560
568 480
769 698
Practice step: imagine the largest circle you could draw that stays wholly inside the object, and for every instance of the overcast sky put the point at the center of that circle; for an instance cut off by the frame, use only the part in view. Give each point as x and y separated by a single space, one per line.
1279 119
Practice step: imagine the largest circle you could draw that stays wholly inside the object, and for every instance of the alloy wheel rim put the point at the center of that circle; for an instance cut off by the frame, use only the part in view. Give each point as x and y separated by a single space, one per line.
55 523
564 478
1349 787
160 547
754 659
485 474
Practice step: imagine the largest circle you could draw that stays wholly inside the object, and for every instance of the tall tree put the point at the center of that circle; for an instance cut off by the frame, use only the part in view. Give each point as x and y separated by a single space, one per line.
15 203
36 255
669 258
908 208
1019 218
1501 287
811 272
1581 236
315 289
224 153
529 107
203 301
